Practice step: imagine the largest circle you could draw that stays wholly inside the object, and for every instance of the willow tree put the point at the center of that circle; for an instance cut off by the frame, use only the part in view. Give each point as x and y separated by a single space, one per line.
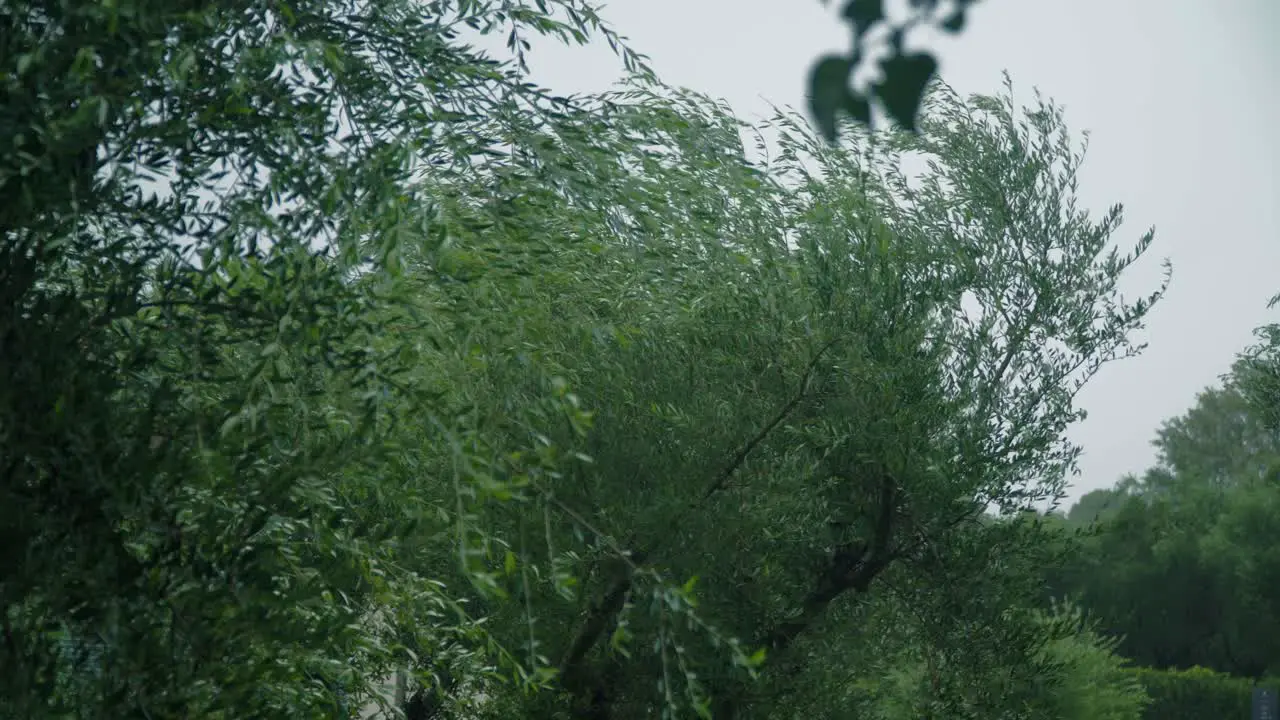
205 204
334 347
808 378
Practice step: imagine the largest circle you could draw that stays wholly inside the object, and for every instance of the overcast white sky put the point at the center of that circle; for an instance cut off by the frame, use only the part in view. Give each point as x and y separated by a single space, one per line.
1181 98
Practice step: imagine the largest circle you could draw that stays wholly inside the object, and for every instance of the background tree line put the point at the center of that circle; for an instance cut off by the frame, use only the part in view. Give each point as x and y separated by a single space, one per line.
1182 562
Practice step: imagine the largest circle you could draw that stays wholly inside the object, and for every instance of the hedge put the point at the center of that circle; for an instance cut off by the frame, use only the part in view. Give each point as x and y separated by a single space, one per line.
1197 694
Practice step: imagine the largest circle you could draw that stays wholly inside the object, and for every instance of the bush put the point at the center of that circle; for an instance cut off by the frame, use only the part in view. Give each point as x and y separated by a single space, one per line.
1077 675
1196 693
1094 683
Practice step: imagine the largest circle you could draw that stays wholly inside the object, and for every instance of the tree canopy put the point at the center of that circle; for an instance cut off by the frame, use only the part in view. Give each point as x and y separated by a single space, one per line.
348 372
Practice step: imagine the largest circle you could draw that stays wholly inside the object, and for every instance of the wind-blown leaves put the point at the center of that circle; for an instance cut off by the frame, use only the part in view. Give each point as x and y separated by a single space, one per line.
352 352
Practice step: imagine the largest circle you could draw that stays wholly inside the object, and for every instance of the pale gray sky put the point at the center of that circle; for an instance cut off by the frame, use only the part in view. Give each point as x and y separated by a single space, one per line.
1181 98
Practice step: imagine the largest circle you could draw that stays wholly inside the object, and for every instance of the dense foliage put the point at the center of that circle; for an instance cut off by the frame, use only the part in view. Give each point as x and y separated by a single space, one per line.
1181 563
791 425
205 496
1195 693
337 352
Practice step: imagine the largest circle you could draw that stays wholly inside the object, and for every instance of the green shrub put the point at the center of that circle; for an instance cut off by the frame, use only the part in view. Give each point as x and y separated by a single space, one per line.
1080 677
1094 684
1196 694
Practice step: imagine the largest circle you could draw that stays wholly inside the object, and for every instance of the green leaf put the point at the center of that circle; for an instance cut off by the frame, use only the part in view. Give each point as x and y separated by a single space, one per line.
689 585
858 107
230 424
828 92
954 22
863 14
905 79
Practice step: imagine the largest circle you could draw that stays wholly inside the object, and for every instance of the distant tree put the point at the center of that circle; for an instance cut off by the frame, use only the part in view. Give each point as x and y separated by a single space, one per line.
1223 440
1093 505
1182 564
1258 373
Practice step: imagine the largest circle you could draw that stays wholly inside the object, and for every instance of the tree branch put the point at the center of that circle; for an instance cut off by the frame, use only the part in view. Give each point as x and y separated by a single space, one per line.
852 567
738 458
607 608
